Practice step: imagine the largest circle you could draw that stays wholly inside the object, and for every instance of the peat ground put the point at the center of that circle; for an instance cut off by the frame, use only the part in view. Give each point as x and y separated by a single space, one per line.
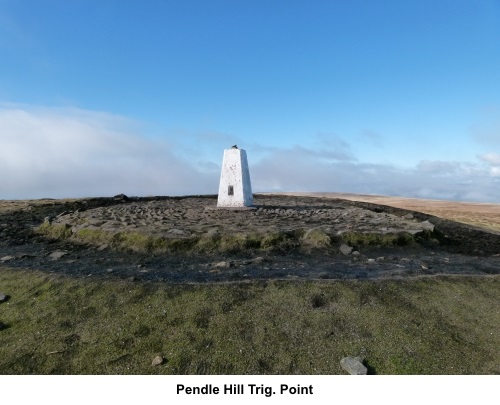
421 305
452 247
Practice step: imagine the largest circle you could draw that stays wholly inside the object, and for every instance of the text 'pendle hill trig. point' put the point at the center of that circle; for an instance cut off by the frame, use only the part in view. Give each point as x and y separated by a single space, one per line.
235 189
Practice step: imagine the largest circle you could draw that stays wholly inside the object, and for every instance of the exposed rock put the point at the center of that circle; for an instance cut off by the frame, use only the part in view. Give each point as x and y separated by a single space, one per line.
121 197
3 297
427 226
57 255
353 365
6 258
213 232
222 265
408 216
2 326
259 260
345 249
178 232
158 360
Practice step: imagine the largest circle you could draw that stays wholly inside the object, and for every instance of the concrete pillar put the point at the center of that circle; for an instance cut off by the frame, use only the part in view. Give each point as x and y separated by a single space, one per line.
235 189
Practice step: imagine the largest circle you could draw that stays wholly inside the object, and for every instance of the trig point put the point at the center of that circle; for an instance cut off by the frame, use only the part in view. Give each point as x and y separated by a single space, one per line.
235 189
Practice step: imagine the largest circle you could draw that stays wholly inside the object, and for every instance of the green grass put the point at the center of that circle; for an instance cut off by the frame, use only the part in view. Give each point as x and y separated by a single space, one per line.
315 238
358 239
58 325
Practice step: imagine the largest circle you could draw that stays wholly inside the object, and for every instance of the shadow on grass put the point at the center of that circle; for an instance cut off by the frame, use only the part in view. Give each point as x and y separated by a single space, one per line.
371 369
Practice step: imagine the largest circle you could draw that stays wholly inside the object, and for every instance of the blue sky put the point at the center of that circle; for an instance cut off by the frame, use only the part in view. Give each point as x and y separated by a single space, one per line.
379 97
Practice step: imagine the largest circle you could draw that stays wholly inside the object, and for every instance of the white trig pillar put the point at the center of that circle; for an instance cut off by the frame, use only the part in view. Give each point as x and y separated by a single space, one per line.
235 189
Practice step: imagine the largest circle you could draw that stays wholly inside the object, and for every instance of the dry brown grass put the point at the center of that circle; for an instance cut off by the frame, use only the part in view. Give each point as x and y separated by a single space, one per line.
483 215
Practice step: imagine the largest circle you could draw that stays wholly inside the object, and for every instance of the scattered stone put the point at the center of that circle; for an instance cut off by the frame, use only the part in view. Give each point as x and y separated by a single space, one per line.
57 255
408 216
6 258
220 265
178 232
380 259
345 249
259 260
212 232
3 297
355 253
427 226
353 365
157 361
371 261
121 197
25 255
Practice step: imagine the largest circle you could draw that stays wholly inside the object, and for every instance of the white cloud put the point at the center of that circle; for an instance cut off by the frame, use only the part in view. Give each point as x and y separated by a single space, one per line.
492 158
286 170
75 153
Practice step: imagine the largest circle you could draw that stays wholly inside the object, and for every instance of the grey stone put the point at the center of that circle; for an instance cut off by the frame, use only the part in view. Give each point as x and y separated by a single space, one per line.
426 225
178 232
345 249
121 197
57 255
259 260
3 297
6 258
353 365
408 216
213 232
158 360
222 265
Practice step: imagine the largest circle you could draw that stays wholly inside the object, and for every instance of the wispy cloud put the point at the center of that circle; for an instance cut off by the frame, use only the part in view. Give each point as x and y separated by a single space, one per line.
491 158
488 130
287 170
372 137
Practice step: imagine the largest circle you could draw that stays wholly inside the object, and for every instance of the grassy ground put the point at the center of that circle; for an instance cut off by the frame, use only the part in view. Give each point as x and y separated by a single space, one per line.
443 325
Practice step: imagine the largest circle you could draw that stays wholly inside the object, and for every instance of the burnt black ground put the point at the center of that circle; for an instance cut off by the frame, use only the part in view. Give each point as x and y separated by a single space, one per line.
462 250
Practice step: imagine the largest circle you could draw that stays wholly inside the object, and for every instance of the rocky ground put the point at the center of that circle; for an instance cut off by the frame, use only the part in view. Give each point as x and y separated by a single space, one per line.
185 239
